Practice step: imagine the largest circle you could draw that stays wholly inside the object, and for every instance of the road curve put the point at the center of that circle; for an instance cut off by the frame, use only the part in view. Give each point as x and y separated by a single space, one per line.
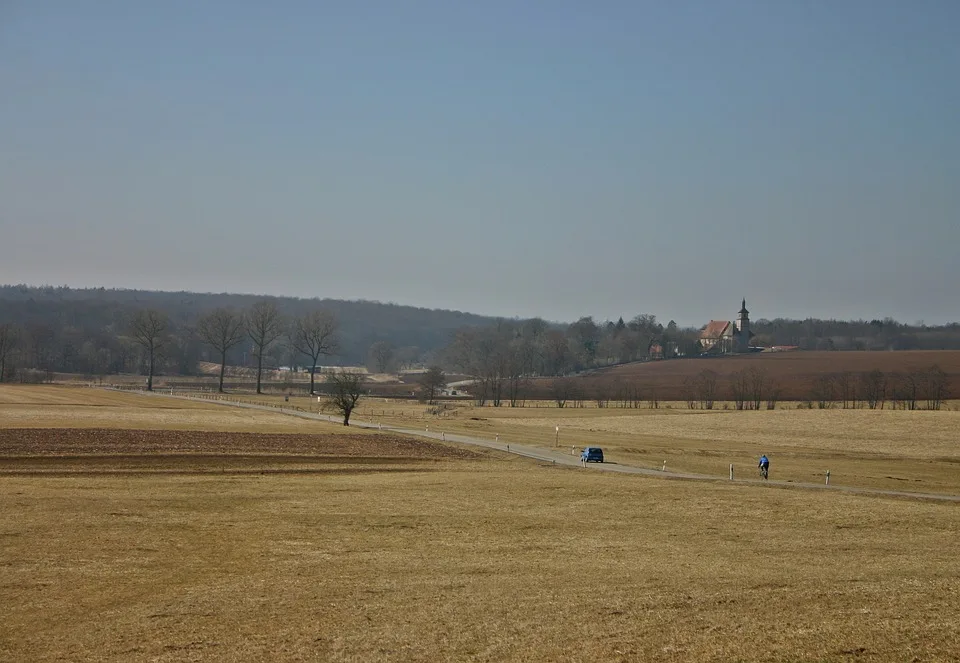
558 457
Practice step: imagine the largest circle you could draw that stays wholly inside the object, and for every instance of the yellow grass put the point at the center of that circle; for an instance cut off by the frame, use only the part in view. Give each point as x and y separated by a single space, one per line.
915 451
496 559
487 562
85 407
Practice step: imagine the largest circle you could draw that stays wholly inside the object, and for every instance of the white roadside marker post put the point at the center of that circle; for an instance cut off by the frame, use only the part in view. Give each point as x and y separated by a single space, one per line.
664 468
828 477
731 471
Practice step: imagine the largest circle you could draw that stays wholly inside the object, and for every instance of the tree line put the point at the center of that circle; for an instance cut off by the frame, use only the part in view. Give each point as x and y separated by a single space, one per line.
88 331
748 388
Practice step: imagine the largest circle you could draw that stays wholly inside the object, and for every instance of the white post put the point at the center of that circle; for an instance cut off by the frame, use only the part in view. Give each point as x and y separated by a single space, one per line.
379 426
558 436
664 468
443 436
828 477
731 471
498 437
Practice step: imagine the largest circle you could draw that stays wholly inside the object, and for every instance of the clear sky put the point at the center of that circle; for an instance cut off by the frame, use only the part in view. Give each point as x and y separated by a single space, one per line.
526 158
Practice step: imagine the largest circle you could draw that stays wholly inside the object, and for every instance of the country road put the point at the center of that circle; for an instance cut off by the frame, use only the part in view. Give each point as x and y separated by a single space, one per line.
566 459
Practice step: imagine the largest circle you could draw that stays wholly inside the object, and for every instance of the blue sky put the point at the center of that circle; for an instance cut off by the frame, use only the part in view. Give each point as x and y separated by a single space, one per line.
555 159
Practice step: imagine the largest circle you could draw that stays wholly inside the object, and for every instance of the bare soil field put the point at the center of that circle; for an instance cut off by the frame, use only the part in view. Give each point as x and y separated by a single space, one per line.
793 372
64 442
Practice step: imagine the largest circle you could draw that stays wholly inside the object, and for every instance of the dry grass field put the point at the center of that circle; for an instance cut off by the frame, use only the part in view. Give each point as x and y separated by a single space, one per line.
916 451
172 545
85 407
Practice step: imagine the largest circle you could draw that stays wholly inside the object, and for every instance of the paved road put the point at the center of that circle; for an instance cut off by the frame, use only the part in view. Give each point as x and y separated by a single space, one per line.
565 458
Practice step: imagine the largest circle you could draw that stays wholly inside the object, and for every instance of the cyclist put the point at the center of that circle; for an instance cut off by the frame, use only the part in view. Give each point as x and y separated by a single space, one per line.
764 466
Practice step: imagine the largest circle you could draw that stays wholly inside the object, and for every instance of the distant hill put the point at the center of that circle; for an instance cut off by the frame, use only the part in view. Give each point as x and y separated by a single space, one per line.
89 313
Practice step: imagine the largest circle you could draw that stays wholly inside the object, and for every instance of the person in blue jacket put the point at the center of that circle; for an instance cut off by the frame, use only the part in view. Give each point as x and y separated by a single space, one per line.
764 466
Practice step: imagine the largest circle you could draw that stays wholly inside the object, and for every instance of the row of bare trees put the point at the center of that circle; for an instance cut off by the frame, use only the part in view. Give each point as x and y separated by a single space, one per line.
912 389
313 335
747 388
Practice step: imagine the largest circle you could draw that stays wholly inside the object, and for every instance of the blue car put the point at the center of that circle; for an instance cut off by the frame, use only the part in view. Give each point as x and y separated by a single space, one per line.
592 454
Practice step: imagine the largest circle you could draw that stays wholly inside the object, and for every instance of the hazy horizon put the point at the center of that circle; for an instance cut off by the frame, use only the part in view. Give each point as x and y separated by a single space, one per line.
662 319
499 159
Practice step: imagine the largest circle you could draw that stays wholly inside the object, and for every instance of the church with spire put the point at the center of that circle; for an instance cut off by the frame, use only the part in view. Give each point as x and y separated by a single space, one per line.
726 337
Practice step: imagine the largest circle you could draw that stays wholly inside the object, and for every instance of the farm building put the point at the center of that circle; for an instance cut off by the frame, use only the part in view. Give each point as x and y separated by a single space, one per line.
723 337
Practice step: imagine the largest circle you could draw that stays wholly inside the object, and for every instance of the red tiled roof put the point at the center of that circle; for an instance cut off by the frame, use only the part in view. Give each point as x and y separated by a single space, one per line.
714 329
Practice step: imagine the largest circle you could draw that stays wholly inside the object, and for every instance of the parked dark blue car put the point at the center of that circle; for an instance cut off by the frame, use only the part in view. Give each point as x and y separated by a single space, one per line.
592 454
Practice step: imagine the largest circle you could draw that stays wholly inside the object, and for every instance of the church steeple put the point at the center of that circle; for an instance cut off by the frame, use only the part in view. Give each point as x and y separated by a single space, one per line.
742 326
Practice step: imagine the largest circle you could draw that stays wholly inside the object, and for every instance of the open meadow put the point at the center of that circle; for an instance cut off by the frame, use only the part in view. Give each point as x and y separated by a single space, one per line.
177 535
917 451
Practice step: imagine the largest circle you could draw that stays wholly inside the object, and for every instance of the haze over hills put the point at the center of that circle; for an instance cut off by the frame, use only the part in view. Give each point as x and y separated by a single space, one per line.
64 322
94 311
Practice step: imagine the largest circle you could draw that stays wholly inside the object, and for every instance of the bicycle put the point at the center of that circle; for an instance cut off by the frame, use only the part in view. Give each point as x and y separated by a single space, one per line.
764 472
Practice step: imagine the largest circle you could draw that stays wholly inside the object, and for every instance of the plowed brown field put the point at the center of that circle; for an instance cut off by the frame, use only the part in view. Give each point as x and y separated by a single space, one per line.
71 441
76 451
793 372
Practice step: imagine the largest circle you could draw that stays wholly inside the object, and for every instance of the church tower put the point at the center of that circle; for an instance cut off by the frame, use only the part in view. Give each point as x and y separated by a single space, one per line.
742 335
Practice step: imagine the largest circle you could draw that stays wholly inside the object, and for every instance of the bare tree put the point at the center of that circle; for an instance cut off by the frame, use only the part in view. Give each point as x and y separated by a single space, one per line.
706 383
897 388
846 389
264 326
149 330
560 389
431 382
822 391
601 393
911 387
773 394
936 387
315 334
9 340
380 356
739 386
873 386
345 390
653 399
221 329
758 383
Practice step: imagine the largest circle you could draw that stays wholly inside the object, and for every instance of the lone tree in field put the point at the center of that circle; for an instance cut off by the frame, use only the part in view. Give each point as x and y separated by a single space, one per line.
9 339
221 329
149 330
264 327
345 390
313 335
431 382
